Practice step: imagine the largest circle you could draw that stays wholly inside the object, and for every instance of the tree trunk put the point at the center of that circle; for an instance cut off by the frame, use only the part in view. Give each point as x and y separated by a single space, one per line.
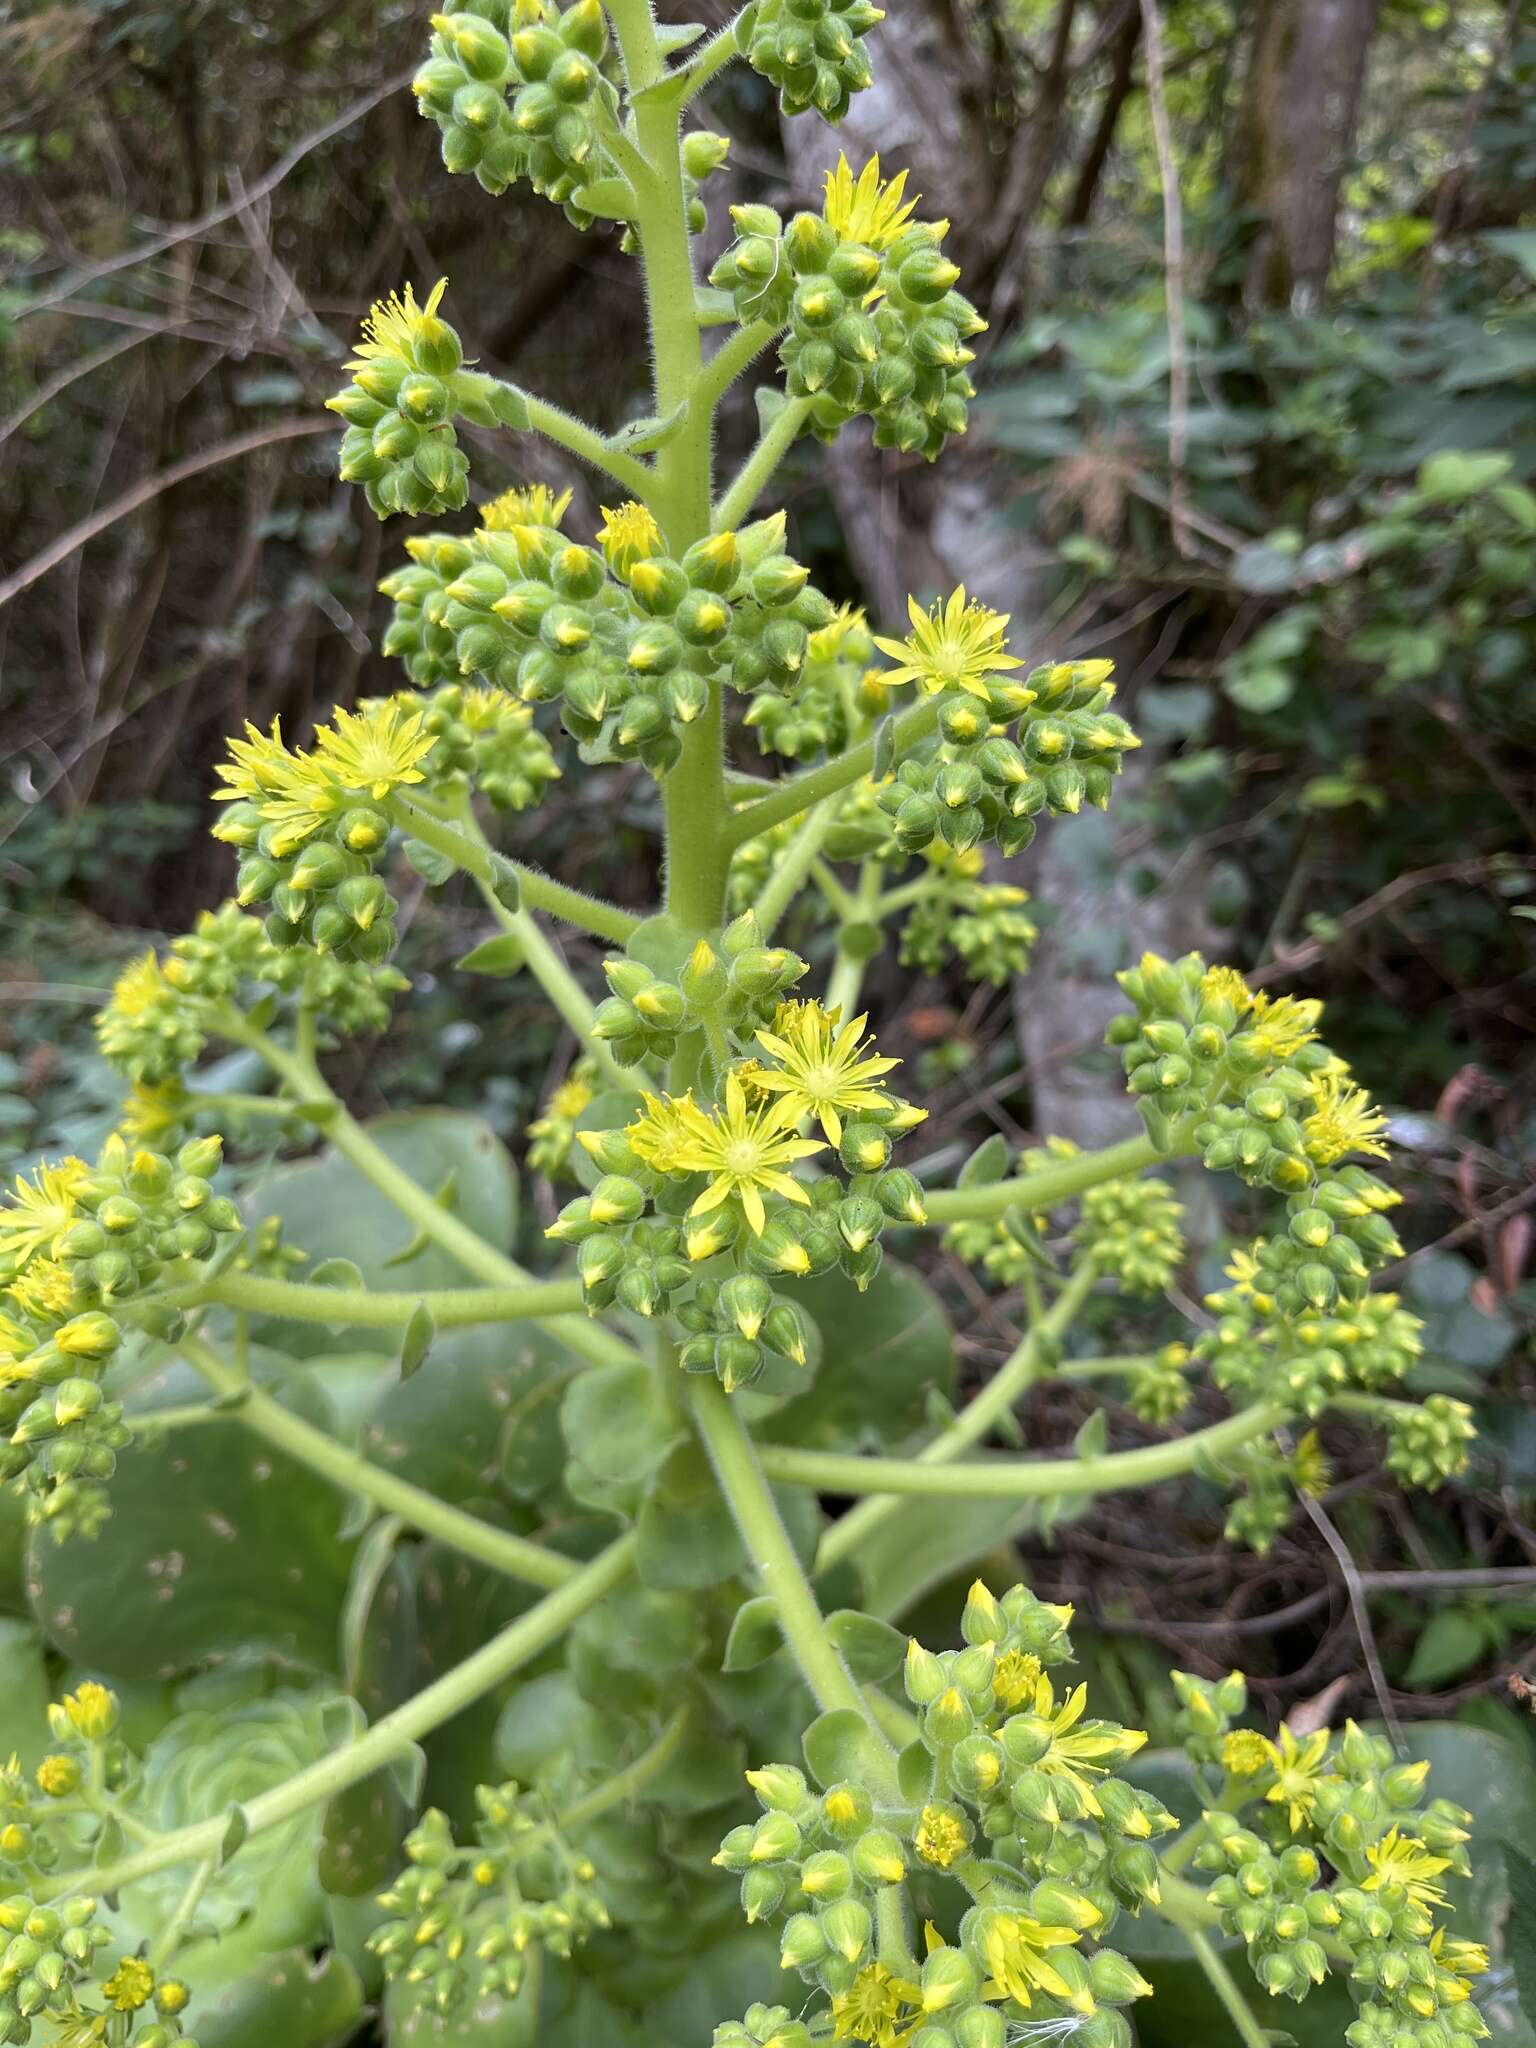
1296 128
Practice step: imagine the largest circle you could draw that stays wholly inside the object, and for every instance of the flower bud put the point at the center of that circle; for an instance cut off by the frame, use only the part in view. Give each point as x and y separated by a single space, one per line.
803 1944
924 1674
878 1858
846 1811
827 1876
847 1928
780 1788
1115 1979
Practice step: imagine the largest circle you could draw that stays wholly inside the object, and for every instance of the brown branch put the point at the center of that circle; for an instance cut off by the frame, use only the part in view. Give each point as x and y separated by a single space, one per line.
1385 899
149 488
1173 279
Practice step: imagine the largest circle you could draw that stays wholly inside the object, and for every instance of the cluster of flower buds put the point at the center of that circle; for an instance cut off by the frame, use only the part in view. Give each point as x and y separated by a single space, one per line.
812 51
625 638
837 696
984 925
1017 1788
75 1242
553 1132
735 1326
1427 1441
160 1014
683 1184
514 87
740 985
1159 1389
875 324
407 386
486 741
1130 1230
1291 1807
462 1920
975 783
55 1980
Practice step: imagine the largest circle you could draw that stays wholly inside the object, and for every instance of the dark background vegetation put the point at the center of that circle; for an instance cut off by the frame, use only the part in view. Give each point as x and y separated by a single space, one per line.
1258 417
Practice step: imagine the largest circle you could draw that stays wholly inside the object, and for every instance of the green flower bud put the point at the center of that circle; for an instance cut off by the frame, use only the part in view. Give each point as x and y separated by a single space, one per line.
804 1943
846 1811
847 1928
878 1858
827 1876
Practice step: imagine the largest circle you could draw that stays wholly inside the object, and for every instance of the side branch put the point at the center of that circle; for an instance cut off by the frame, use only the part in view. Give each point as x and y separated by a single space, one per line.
471 852
1019 1479
386 1741
790 798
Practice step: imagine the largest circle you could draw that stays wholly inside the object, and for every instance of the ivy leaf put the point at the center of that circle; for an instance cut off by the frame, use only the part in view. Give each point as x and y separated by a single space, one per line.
432 866
755 1634
842 1745
871 1648
987 1164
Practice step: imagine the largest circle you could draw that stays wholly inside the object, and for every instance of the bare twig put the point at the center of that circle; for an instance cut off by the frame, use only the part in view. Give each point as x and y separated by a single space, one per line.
149 488
1173 278
190 231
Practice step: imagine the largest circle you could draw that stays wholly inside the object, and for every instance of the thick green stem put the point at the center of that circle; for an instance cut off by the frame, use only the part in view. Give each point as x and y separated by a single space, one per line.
276 1425
574 434
790 798
470 851
974 1421
1051 1184
451 1308
755 473
1224 1984
734 1458
388 1739
1020 1479
789 877
549 970
588 1339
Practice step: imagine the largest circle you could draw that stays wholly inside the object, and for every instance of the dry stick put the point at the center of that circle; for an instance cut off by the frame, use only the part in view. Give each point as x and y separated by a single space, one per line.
1173 278
150 487
217 215
1360 1615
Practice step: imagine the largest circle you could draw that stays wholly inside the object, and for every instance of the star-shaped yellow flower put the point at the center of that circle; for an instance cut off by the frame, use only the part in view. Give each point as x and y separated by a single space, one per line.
956 646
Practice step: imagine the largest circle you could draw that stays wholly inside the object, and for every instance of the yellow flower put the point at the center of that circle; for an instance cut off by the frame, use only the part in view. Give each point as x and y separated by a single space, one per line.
533 505
627 536
373 751
826 643
1014 1678
872 2008
89 1711
955 646
1225 984
1459 1960
45 1289
1297 1767
58 1776
1282 1025
130 1986
1246 1753
1399 1859
396 326
1311 1473
864 209
153 1110
939 1837
659 1134
745 1151
1344 1121
1016 1951
822 1070
1077 1755
1242 1270
261 766
42 1209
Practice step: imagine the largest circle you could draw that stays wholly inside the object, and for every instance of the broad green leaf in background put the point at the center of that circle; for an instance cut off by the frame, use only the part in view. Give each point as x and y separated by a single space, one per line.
219 1546
884 1352
330 1211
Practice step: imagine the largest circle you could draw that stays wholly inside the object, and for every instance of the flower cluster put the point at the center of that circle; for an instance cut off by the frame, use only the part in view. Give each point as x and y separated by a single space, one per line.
55 1974
1130 1230
309 829
1011 1793
875 324
687 1182
813 51
984 925
77 1242
839 693
462 1920
513 86
1288 1808
553 1132
974 781
625 638
162 1012
406 386
739 988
